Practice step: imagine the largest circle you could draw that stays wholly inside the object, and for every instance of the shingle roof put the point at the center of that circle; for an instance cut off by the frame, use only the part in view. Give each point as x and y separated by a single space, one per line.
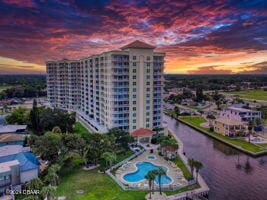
138 45
142 132
27 160
11 137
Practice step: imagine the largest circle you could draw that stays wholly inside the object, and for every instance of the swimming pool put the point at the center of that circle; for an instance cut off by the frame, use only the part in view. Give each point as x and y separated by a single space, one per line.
142 169
151 157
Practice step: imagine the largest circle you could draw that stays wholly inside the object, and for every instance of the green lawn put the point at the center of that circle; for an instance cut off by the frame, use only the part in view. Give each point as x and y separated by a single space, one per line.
3 87
79 128
96 186
196 121
252 94
184 189
178 161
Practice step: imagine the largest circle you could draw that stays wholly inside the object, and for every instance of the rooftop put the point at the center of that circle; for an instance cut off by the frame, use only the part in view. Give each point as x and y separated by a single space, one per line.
6 166
12 128
11 137
12 149
137 44
229 121
142 132
240 109
27 160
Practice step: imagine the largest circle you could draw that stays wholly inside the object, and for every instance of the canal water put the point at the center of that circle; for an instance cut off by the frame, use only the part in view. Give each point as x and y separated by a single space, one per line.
230 174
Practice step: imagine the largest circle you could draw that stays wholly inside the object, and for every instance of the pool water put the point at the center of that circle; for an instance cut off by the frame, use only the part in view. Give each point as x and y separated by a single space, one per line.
151 157
142 169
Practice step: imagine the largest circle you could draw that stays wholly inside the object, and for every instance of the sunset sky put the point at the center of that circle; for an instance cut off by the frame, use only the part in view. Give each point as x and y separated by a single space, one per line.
198 36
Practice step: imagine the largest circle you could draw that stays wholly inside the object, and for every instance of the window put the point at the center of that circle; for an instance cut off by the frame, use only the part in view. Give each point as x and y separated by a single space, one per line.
134 83
147 95
134 57
148 64
147 70
147 102
134 96
134 89
148 57
134 127
134 114
134 77
134 121
147 83
148 77
134 108
134 70
134 102
148 89
147 113
147 125
147 119
134 63
147 107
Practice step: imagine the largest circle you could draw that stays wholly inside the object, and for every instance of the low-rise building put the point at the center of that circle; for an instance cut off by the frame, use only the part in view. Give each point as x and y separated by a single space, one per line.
229 127
11 139
12 129
240 114
143 135
17 166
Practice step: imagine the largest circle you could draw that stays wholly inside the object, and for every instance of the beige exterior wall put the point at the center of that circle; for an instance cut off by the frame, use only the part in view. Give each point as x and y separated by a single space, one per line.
89 87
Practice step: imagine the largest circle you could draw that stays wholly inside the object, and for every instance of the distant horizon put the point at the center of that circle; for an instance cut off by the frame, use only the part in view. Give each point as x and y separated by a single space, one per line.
14 74
218 37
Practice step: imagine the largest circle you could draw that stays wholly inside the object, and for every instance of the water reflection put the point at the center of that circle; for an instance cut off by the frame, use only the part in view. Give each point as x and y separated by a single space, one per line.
227 150
230 174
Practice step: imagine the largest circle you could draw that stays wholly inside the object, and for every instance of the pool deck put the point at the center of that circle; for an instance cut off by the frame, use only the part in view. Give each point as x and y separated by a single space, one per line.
173 171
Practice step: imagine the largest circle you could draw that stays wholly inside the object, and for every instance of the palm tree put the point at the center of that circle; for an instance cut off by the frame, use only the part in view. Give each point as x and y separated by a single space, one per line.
109 158
238 165
52 176
248 167
198 165
176 111
56 129
160 172
191 163
250 127
84 154
34 184
150 177
48 192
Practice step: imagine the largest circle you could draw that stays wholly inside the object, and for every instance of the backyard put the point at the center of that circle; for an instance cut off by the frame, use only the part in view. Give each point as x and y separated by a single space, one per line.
196 121
252 94
95 185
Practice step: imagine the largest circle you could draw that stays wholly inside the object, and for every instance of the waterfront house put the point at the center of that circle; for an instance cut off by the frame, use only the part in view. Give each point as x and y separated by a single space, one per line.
240 114
229 127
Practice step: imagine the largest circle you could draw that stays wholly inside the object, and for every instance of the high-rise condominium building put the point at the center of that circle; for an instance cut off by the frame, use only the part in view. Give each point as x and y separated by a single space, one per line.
120 88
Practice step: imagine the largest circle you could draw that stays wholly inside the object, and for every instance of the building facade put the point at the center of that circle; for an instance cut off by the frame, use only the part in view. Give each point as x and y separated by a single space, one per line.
229 127
17 166
240 114
120 89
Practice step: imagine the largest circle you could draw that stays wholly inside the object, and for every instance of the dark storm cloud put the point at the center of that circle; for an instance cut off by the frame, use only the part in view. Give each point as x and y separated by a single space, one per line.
38 30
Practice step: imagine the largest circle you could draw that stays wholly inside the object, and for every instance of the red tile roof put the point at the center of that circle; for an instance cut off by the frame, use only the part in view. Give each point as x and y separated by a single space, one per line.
138 45
142 132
